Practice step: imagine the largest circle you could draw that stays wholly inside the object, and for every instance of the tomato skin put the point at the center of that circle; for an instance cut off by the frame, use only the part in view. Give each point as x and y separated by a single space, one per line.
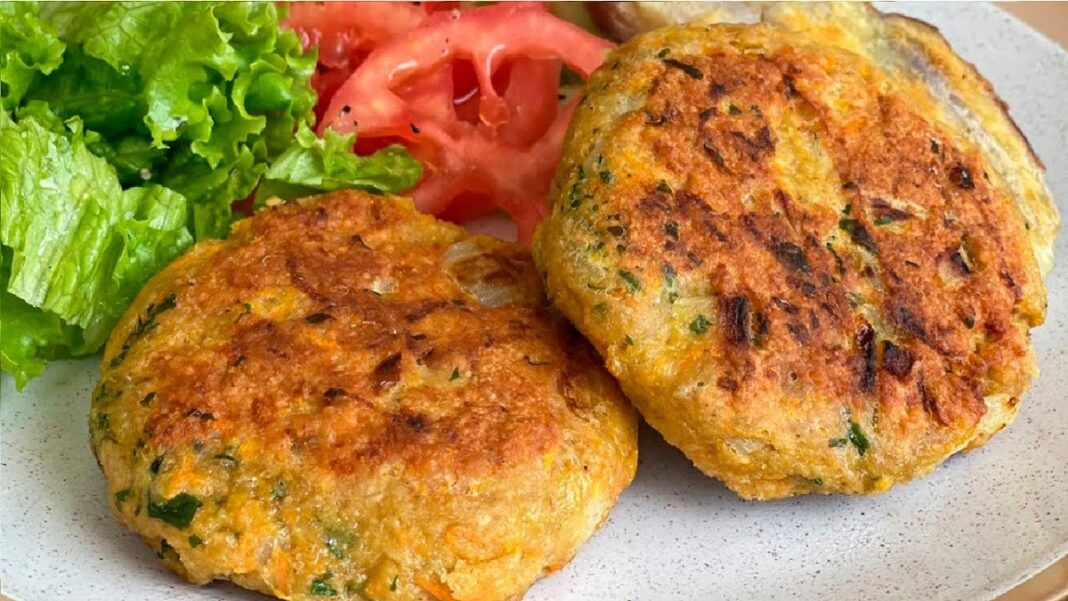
483 36
500 143
341 28
346 32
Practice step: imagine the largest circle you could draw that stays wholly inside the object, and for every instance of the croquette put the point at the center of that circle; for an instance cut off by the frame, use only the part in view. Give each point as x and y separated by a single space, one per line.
349 399
810 252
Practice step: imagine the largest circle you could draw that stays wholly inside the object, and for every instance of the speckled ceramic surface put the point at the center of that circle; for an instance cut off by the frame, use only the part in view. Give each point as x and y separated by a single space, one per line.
974 528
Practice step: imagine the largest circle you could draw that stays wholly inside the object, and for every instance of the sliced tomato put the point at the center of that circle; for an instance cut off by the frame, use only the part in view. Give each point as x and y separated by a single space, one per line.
473 95
346 32
341 28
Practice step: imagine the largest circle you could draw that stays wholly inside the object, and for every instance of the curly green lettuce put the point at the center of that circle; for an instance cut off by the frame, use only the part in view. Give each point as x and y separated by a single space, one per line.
127 131
195 96
314 164
75 244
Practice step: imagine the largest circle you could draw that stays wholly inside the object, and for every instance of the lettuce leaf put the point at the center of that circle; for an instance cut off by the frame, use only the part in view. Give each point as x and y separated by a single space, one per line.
216 89
28 335
80 246
27 48
314 164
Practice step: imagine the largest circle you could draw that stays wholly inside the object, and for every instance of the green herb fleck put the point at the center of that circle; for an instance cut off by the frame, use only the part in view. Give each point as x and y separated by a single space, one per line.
167 552
627 340
663 52
733 109
838 442
631 279
847 210
145 323
856 436
700 325
455 374
156 464
617 230
837 259
606 176
123 495
600 309
278 491
858 234
813 481
669 275
575 194
595 247
883 220
320 587
672 229
690 70
178 511
670 279
969 320
195 541
663 186
102 421
934 146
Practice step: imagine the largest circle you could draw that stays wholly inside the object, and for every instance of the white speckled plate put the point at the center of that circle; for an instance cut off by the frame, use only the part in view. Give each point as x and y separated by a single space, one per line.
977 526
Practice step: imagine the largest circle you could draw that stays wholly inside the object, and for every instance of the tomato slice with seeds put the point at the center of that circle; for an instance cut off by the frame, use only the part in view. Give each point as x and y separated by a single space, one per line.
493 141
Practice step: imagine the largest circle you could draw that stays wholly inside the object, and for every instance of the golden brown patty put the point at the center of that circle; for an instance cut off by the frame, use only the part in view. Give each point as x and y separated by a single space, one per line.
348 398
803 281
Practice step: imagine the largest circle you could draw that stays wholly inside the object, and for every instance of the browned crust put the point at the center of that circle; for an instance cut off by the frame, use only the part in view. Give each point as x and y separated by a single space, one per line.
849 258
279 336
724 156
348 397
623 20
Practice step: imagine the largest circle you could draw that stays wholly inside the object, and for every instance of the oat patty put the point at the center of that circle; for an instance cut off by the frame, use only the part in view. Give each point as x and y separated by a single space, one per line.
801 270
346 398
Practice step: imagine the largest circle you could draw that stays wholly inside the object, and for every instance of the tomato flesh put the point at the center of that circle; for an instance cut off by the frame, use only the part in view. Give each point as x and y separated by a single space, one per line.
345 33
472 93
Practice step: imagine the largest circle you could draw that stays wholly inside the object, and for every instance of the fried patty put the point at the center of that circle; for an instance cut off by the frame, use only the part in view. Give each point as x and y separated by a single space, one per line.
348 398
804 271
